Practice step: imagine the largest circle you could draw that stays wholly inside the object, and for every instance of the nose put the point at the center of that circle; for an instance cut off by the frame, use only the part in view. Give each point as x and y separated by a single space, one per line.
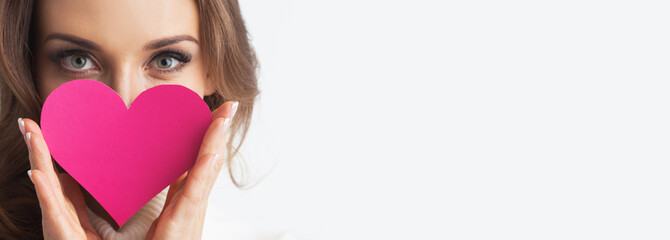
126 83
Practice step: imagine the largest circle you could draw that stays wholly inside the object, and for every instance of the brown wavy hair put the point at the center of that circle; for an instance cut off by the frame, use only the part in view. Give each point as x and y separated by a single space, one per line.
227 54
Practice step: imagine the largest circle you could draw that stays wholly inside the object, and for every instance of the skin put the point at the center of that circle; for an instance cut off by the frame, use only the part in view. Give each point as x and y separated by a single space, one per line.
121 30
119 43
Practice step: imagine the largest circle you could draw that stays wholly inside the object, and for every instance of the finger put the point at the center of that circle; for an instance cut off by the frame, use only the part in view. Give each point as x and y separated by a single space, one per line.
197 187
32 128
39 155
22 127
226 110
152 228
52 215
173 189
212 145
202 176
73 192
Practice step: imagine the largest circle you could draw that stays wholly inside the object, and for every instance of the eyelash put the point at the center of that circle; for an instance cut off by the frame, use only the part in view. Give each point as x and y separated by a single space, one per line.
178 55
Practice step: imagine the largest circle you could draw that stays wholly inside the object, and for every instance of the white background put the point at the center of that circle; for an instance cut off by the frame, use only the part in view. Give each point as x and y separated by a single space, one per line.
456 120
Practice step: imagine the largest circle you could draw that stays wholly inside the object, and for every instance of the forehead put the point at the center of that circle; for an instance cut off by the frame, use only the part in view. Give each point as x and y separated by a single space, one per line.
118 23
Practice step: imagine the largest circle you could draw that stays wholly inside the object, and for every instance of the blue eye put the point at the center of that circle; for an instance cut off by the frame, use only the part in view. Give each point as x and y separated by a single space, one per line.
74 62
170 60
78 62
166 62
81 63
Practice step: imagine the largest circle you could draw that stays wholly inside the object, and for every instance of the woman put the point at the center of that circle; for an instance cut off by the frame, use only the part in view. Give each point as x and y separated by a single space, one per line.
131 46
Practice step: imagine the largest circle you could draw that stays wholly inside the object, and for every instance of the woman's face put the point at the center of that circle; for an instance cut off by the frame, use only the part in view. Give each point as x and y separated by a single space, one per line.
129 45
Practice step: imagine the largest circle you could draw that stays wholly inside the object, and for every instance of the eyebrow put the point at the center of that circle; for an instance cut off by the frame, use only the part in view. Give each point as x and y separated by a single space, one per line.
93 46
73 39
168 41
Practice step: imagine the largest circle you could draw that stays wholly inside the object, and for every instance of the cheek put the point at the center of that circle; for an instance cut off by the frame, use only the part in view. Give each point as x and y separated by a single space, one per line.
46 78
196 79
44 84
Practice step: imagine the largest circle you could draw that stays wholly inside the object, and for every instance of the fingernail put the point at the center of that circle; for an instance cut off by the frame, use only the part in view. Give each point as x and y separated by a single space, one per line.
30 175
22 126
234 110
226 122
213 162
28 141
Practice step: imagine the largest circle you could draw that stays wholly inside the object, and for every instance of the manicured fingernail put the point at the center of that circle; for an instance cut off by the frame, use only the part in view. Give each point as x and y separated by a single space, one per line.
234 110
30 175
226 122
213 162
22 126
28 141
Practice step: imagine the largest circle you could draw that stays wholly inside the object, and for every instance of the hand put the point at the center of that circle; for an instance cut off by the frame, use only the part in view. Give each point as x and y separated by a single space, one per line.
183 214
64 214
63 207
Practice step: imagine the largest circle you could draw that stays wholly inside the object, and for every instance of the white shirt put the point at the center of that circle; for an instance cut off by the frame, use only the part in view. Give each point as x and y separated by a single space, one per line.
138 225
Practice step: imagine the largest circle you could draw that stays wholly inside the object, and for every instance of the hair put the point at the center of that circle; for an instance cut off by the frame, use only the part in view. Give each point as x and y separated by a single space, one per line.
228 56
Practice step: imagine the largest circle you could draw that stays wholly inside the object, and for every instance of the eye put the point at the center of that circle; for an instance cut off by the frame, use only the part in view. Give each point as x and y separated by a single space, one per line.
169 61
166 62
77 62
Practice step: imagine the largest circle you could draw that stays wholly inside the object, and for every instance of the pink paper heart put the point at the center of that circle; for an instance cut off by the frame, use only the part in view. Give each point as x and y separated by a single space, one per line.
124 157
